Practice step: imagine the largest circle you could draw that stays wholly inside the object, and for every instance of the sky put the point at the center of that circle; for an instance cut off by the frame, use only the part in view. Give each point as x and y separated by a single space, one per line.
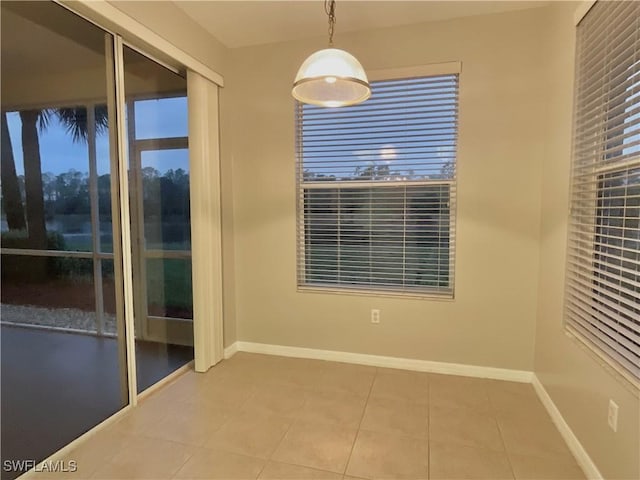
158 118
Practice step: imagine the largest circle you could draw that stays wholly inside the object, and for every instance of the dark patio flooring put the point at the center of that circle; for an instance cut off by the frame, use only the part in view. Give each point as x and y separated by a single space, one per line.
56 386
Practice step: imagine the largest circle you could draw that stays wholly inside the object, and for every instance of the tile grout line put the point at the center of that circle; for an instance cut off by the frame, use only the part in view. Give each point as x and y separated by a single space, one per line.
192 446
298 416
504 444
235 411
189 457
364 410
293 420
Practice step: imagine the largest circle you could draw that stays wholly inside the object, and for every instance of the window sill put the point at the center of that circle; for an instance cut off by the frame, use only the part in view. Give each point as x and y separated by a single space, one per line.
373 292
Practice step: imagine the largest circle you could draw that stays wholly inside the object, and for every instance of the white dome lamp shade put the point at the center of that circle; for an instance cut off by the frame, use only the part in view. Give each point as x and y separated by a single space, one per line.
331 77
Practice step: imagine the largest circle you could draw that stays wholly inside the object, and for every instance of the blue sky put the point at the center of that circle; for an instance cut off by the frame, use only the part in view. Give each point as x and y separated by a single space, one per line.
158 118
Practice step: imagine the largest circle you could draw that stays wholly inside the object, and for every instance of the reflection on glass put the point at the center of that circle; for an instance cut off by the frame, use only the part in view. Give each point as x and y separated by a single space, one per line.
52 144
162 117
169 288
165 191
107 321
63 370
160 217
48 291
103 187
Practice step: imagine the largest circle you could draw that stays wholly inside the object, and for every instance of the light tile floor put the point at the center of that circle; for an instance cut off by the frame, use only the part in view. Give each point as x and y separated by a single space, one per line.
267 417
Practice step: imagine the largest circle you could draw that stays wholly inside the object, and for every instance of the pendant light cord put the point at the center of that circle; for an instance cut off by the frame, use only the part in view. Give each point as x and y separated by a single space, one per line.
330 9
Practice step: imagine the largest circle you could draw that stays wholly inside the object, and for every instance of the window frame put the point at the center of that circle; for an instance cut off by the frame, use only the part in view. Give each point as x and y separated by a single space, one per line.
594 184
401 73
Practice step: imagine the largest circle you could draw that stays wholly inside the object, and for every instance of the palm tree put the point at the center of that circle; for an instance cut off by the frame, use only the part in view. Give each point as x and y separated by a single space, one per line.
31 120
11 198
75 121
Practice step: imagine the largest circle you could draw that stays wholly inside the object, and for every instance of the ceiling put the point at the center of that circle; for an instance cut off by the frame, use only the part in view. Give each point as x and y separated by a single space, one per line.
34 37
242 23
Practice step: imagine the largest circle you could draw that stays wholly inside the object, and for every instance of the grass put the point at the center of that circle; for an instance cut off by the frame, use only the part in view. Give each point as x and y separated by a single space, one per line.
169 283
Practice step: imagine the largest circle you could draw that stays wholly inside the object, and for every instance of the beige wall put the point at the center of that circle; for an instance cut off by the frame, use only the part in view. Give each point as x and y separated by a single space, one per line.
170 22
491 322
578 384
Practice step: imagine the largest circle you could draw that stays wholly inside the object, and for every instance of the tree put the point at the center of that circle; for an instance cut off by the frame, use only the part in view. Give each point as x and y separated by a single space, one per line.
372 172
34 121
11 198
75 121
33 176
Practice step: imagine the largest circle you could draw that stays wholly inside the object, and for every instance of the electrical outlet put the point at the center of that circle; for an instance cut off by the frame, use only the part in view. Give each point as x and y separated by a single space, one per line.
375 315
612 418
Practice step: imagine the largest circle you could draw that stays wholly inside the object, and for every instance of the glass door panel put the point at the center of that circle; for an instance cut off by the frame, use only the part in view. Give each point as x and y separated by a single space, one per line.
63 349
157 124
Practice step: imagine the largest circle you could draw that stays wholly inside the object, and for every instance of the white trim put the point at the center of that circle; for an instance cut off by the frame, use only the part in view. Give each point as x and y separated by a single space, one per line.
582 9
371 292
582 457
446 68
387 362
231 350
114 20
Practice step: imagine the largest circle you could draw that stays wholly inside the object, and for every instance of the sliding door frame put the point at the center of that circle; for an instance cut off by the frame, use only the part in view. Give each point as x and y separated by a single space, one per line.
183 327
204 161
203 85
125 257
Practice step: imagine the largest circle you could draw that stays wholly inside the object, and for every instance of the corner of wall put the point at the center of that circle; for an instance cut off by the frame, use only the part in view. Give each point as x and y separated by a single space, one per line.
576 386
169 21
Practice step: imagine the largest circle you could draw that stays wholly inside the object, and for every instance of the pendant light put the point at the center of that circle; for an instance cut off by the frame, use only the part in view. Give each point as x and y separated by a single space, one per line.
331 77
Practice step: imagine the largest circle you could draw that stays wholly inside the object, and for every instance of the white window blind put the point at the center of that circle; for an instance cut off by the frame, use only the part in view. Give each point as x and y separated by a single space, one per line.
376 189
603 267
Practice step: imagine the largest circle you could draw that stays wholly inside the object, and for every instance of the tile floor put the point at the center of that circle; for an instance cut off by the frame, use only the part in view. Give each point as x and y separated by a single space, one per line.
267 417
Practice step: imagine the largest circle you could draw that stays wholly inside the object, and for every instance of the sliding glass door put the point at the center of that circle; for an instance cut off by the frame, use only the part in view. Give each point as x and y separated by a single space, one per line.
64 332
64 364
158 143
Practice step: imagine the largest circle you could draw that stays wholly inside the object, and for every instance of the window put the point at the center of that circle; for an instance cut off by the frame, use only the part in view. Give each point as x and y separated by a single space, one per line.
603 267
376 190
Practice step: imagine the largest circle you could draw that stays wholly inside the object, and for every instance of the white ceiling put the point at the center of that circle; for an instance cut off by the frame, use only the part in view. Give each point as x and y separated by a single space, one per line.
239 23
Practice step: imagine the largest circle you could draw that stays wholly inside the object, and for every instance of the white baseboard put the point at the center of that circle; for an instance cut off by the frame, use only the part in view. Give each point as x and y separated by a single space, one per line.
582 457
231 350
382 361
